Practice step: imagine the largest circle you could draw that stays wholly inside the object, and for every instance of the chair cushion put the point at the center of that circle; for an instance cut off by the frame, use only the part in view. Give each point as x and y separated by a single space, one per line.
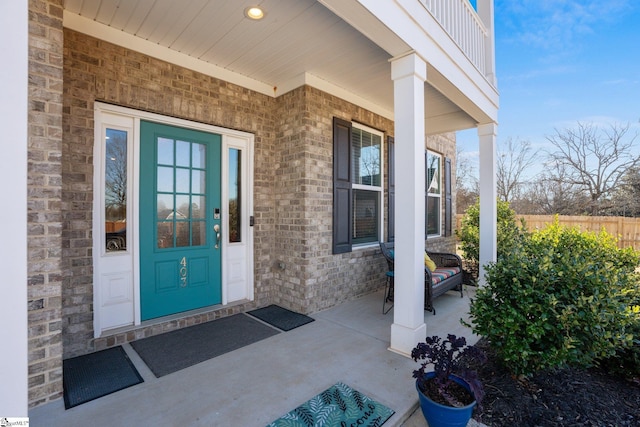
442 273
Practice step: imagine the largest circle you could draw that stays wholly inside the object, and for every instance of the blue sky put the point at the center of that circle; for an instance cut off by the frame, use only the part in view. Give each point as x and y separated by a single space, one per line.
563 61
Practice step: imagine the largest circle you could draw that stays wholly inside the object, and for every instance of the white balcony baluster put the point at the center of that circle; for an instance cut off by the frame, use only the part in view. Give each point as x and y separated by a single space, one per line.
461 22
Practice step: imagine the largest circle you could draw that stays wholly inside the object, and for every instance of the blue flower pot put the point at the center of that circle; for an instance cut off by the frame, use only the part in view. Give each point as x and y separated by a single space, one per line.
438 415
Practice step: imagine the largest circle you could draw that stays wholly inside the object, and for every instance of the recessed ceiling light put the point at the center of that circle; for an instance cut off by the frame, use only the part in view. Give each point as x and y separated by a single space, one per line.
254 12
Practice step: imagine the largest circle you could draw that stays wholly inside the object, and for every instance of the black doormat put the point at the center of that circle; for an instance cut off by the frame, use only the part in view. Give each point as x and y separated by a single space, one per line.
97 374
176 350
280 317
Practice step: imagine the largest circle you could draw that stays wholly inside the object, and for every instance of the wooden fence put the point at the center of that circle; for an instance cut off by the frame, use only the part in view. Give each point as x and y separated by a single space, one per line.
626 229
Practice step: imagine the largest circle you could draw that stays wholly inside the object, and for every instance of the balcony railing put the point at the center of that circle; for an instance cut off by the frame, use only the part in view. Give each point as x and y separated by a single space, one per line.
461 22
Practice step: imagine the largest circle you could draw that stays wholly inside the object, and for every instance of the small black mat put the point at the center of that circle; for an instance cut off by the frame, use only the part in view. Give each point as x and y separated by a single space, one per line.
280 317
97 374
176 350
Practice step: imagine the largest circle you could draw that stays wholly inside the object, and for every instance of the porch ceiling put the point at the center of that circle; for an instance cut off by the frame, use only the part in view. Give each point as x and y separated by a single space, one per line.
298 41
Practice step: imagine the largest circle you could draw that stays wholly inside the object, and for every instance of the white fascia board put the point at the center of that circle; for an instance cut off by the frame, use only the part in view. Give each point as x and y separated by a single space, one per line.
103 32
415 25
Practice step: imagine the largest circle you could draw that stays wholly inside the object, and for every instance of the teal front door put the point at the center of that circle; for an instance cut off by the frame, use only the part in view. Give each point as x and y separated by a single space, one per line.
180 251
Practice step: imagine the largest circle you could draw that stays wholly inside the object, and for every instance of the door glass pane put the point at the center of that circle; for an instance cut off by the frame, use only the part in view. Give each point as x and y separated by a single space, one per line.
181 194
165 179
198 207
182 180
165 234
115 190
183 153
199 157
182 212
165 151
235 196
182 234
198 181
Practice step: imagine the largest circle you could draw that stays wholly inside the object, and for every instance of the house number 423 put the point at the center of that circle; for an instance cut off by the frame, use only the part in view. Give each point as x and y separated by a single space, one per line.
183 272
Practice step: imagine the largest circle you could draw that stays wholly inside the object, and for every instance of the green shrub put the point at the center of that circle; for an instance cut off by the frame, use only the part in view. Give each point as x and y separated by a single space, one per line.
626 361
557 299
508 232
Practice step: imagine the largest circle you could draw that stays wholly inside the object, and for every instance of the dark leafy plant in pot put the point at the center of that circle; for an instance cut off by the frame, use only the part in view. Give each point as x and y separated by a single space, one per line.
450 358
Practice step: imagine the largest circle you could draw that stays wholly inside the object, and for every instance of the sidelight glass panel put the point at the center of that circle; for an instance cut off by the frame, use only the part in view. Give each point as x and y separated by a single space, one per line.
235 196
115 190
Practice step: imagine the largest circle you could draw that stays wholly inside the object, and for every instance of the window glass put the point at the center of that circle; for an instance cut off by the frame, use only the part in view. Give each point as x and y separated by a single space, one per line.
115 190
433 188
366 150
365 216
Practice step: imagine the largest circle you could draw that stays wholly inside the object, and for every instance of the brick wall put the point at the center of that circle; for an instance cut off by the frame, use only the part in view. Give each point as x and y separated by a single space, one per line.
97 70
44 239
292 186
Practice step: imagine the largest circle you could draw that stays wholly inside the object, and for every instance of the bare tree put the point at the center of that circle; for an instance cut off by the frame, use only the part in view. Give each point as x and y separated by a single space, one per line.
595 160
116 176
626 197
512 164
467 185
552 194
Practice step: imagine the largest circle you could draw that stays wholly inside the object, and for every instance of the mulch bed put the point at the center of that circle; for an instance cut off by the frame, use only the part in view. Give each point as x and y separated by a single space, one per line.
560 397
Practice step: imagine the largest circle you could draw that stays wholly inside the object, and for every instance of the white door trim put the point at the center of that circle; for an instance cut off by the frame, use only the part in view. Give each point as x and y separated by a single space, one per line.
116 276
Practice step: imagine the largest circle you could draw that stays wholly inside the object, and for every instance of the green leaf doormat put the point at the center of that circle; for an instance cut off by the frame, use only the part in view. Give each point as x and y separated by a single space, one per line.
337 406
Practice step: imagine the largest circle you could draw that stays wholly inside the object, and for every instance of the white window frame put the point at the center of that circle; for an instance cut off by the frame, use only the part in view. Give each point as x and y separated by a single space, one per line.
373 188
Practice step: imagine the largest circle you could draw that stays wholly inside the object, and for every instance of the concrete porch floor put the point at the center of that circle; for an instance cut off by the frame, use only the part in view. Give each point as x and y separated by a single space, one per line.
259 383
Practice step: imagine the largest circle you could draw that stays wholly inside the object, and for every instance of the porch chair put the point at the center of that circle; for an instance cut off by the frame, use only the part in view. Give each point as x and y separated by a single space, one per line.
387 252
445 277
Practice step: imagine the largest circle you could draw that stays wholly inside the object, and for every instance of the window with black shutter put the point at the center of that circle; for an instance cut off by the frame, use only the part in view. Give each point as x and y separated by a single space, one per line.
357 185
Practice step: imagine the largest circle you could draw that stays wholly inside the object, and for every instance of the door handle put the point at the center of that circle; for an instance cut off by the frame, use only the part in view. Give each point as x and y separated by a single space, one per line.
216 228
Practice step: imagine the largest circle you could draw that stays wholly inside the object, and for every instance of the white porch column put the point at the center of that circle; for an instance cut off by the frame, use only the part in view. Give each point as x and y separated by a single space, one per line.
14 399
409 73
485 10
488 195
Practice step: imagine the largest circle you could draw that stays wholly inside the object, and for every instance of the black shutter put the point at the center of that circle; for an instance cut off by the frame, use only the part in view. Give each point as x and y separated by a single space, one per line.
391 187
342 224
448 211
